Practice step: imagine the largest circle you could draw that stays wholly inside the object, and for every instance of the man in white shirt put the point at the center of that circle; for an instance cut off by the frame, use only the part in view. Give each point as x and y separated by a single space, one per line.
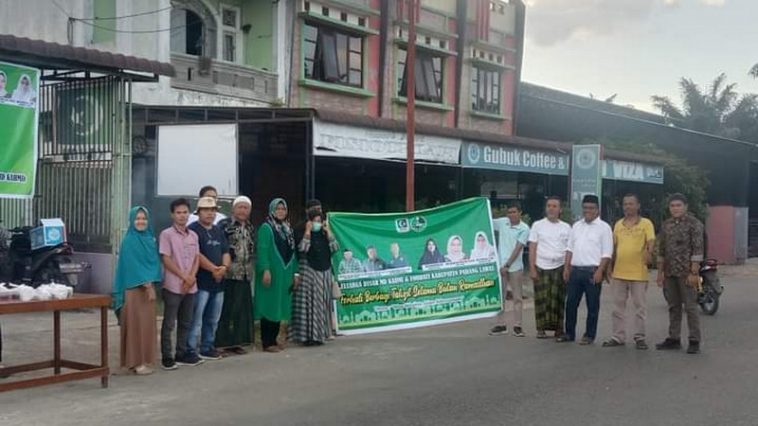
548 240
512 238
590 249
207 191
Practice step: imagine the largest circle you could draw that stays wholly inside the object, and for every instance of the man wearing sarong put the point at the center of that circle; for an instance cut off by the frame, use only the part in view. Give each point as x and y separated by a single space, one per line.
548 241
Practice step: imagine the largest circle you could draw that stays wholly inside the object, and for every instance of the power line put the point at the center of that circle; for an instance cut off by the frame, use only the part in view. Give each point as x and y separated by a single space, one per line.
111 18
55 3
130 31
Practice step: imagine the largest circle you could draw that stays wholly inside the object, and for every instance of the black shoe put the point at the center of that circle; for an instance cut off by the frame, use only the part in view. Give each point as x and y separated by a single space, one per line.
499 330
586 341
641 345
211 355
189 359
168 364
564 339
518 332
669 345
694 347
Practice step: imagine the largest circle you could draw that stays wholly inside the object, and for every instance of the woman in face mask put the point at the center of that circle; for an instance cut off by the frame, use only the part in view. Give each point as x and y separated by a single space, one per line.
312 300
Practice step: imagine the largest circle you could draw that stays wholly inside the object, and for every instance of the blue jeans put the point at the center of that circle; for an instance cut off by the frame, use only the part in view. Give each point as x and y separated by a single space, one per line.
207 313
581 282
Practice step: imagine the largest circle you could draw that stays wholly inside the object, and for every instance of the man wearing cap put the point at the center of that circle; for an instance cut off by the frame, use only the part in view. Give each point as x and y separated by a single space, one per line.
214 264
590 249
207 191
349 264
235 327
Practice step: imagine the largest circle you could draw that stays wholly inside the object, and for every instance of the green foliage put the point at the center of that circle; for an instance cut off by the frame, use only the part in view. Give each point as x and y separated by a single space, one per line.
717 109
680 177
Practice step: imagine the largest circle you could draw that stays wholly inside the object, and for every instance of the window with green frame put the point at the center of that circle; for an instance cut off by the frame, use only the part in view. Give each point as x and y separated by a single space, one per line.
332 56
486 90
429 75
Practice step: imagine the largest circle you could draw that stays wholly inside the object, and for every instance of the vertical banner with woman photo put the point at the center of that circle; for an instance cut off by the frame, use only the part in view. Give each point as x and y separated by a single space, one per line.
19 88
403 270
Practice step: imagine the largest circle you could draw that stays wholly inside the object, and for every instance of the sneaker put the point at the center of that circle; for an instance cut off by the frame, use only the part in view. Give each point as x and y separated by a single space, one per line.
168 364
641 345
143 370
564 339
541 334
211 355
694 347
498 330
612 343
189 359
586 341
669 344
518 332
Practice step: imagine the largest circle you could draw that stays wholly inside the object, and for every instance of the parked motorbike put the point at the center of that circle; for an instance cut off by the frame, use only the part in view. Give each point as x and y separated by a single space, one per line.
709 288
43 265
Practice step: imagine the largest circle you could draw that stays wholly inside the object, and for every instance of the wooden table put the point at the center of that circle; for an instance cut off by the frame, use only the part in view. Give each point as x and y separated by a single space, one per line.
82 370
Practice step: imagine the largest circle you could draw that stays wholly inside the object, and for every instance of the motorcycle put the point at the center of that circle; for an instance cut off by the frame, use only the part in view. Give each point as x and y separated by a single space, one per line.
709 287
43 265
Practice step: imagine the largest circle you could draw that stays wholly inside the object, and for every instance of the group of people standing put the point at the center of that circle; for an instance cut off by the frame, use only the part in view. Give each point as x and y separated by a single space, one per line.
205 264
568 263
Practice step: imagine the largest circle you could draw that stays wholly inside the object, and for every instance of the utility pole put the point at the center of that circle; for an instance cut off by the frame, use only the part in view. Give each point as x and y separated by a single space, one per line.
410 120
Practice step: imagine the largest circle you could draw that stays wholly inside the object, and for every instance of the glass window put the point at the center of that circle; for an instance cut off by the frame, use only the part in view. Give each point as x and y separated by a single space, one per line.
230 47
332 56
429 76
485 90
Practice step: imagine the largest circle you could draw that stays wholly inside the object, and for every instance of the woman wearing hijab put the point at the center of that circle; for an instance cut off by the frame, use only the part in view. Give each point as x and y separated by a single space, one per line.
482 248
276 274
455 250
139 266
431 254
312 300
24 91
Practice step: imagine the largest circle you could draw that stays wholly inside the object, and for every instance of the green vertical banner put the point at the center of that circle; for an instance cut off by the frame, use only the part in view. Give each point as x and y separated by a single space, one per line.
405 270
586 175
19 111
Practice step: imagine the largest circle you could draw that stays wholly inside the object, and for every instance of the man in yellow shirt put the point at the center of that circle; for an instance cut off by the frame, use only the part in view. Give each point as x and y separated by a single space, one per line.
633 240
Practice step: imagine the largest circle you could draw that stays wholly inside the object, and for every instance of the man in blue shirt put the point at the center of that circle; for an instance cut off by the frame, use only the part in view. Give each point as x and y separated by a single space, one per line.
214 263
513 235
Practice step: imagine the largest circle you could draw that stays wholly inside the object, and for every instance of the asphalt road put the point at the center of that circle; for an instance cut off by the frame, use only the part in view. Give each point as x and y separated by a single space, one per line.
448 375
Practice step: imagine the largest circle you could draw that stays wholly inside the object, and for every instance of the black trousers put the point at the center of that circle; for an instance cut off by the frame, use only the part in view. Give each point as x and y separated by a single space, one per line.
269 332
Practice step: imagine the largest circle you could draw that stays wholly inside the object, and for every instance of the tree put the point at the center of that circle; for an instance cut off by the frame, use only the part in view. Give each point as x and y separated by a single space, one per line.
679 176
717 110
754 71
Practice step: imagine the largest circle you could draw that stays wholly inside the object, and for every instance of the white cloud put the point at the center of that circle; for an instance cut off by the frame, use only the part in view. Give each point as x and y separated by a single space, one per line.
552 21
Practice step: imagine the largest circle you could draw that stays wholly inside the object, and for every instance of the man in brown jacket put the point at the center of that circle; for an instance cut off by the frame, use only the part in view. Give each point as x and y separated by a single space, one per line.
680 252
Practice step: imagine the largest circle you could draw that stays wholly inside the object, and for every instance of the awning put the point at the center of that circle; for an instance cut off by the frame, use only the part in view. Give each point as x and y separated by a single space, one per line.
53 56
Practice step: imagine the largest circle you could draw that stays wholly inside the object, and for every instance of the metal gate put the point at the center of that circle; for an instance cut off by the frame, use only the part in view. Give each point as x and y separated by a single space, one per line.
83 172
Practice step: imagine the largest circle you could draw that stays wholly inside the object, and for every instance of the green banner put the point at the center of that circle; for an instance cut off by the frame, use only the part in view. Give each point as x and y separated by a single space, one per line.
19 89
403 270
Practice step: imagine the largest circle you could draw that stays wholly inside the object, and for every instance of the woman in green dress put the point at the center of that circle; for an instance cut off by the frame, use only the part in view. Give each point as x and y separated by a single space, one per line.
275 275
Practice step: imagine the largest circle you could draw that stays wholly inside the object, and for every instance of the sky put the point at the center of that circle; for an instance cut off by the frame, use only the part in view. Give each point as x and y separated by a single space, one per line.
639 48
